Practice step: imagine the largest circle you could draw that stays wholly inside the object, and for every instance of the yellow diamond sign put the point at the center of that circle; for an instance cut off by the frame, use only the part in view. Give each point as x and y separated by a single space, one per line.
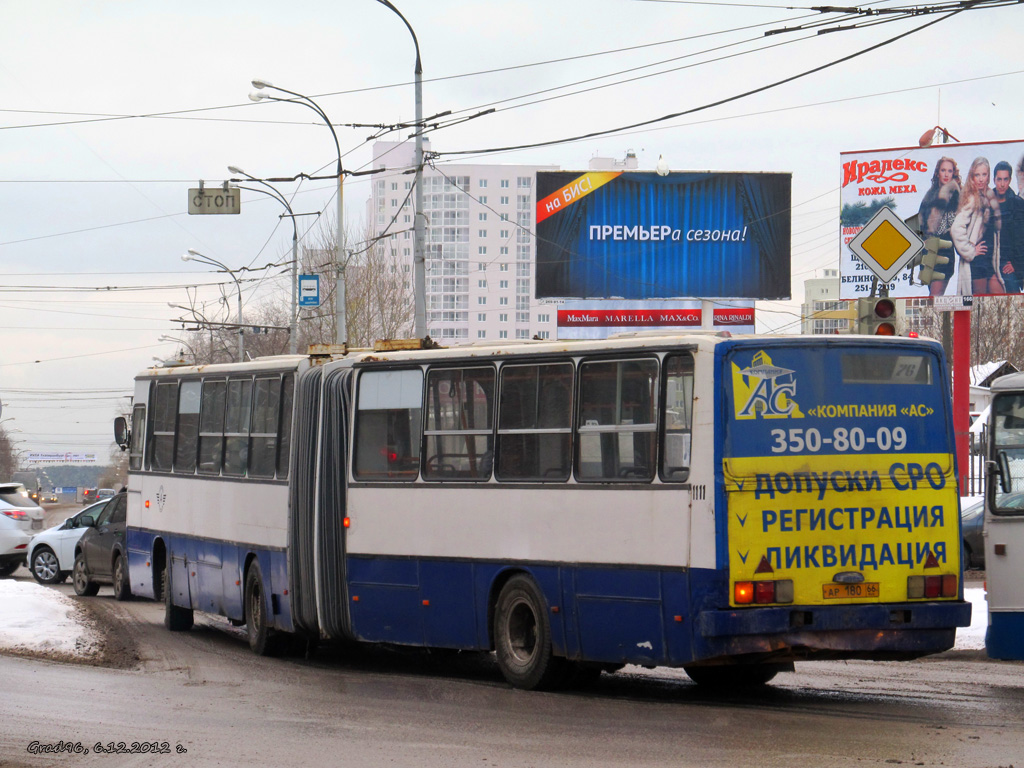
886 244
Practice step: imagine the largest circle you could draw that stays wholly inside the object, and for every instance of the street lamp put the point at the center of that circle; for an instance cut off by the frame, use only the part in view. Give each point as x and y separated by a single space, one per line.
176 340
293 329
419 231
194 255
340 323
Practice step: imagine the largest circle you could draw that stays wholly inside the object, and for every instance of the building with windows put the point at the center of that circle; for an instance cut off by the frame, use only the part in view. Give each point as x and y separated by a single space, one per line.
822 310
479 243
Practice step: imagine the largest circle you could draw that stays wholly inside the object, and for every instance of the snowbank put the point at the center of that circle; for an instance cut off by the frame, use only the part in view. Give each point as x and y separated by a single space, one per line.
40 620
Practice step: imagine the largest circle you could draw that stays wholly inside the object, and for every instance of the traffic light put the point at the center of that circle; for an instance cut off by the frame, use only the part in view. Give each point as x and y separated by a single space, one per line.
876 317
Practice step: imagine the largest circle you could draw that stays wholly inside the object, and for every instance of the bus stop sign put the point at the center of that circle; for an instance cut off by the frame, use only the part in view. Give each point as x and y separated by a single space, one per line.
886 244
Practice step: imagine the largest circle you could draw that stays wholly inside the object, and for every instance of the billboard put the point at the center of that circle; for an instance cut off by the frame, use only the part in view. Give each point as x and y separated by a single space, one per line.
638 235
601 319
972 223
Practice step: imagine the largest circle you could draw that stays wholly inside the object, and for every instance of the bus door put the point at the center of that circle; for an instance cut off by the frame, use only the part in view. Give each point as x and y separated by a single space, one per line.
1004 528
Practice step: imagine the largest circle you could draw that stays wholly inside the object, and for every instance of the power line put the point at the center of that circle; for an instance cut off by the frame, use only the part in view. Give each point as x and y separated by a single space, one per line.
719 102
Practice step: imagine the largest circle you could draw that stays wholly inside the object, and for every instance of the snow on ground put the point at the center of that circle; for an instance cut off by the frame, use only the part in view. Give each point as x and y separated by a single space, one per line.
38 619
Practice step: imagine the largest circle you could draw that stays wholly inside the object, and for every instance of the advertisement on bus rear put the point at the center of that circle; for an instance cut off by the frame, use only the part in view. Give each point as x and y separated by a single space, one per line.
839 472
637 235
963 199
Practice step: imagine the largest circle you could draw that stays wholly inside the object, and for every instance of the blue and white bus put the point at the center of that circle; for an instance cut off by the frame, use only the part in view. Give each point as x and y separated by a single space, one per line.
1004 519
728 505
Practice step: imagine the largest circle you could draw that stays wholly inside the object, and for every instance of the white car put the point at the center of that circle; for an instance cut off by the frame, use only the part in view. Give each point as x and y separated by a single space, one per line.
20 517
51 553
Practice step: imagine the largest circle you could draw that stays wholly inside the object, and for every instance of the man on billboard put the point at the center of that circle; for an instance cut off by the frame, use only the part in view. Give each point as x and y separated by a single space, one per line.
1011 239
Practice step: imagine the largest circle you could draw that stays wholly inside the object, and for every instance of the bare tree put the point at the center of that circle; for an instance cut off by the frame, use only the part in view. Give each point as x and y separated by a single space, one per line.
378 291
115 474
996 323
379 303
8 456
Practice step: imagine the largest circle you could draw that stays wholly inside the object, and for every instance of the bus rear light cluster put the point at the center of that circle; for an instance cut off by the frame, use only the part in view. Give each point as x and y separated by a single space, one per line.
926 587
763 592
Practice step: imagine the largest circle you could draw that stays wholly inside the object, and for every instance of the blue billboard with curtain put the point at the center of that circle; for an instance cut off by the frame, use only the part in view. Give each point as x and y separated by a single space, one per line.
639 235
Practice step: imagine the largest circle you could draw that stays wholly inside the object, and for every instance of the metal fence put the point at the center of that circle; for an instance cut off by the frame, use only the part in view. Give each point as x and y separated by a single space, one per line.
976 464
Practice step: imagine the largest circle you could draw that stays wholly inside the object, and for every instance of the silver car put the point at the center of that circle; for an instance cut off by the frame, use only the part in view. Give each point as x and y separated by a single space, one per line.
20 517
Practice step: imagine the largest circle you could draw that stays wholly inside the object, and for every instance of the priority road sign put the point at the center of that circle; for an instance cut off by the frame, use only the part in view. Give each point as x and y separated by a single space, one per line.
886 244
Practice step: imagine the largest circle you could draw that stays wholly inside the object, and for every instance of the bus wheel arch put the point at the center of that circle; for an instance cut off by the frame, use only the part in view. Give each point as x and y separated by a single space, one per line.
522 635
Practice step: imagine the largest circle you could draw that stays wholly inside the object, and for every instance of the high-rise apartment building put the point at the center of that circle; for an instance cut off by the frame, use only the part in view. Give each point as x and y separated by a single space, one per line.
480 247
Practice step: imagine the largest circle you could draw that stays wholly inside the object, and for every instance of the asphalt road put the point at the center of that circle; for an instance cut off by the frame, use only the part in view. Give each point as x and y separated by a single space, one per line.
215 704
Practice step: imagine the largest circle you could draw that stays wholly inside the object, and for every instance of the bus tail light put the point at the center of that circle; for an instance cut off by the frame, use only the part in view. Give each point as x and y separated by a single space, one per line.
763 592
926 587
743 592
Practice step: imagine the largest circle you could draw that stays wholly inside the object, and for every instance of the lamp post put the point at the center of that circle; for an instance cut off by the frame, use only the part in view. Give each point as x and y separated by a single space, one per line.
293 327
194 255
176 340
419 224
340 323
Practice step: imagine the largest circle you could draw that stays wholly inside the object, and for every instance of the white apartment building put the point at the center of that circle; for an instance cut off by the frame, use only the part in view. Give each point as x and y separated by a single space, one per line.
480 253
824 312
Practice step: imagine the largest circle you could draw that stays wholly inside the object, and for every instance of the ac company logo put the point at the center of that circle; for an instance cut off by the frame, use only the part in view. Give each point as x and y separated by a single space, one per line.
764 390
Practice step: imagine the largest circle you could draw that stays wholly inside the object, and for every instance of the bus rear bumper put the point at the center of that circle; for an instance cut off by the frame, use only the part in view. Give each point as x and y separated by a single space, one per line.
891 630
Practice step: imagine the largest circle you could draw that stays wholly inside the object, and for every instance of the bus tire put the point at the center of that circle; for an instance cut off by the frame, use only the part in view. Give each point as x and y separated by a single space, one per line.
522 637
176 618
728 676
263 640
122 588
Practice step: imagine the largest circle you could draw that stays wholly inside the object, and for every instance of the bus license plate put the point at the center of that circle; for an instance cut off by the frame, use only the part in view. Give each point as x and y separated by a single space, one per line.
848 591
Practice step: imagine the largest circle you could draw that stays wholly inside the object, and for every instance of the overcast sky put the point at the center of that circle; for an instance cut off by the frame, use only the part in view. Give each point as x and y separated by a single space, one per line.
88 199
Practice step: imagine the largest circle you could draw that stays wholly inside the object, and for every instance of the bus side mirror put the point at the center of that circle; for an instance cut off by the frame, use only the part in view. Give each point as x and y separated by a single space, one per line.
122 436
1000 468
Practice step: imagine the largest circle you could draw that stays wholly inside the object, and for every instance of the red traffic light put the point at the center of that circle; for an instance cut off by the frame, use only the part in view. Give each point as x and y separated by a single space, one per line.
885 308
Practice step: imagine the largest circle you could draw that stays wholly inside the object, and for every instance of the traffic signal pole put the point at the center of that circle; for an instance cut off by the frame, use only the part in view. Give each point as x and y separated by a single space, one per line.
961 392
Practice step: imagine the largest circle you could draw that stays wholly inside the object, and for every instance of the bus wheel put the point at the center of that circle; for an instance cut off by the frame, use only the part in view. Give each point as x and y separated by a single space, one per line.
522 637
733 675
263 640
176 618
122 588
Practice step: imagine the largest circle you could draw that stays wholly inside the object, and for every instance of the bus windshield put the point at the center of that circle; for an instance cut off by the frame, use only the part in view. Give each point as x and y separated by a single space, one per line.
1008 451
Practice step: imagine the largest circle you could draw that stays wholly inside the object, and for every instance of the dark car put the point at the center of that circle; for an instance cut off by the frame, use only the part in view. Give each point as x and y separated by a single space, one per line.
101 555
972 518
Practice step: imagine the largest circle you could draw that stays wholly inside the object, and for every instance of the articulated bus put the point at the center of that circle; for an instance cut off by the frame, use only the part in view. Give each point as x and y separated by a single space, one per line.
1004 519
728 505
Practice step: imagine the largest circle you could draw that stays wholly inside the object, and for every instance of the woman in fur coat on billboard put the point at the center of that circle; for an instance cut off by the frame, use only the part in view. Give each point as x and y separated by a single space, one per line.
975 234
937 212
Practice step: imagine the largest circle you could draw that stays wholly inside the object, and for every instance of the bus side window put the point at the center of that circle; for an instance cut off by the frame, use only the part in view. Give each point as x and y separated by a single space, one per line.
535 422
165 402
211 427
263 437
236 426
459 432
188 427
388 425
617 420
678 418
